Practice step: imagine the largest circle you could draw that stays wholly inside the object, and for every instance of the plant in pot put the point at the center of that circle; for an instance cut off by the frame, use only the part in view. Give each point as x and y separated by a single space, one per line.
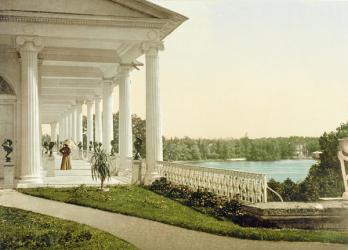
100 165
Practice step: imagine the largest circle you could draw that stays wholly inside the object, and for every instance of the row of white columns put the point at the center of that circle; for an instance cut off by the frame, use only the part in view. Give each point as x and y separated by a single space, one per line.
70 124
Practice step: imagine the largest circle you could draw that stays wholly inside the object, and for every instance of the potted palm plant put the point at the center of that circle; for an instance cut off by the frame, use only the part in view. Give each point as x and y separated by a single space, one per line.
100 166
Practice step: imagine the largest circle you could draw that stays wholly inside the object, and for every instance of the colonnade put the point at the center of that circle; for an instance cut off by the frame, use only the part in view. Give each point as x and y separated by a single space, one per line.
70 123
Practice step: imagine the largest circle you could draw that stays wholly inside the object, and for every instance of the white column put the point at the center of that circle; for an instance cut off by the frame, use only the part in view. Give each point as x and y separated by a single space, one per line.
30 139
89 122
66 124
125 120
70 124
74 123
98 120
53 131
79 131
61 128
154 148
108 135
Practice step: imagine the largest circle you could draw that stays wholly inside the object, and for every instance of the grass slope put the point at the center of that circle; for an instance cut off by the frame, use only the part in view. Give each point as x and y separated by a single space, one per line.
139 202
26 230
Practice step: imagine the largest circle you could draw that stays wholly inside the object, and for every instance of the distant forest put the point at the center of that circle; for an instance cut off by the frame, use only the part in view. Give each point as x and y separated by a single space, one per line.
263 149
188 149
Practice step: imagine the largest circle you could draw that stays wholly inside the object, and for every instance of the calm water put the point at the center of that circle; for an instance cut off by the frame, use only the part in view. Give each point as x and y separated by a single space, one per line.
296 170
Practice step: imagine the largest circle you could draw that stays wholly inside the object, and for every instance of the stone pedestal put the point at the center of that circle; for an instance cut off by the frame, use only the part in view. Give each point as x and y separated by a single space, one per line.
137 173
126 169
50 161
9 170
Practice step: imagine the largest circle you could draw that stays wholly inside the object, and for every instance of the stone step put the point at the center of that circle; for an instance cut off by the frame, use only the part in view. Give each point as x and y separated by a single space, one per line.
73 172
72 181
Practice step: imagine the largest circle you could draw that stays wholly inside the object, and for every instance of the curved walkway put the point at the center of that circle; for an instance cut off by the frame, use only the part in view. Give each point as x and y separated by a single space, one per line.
146 234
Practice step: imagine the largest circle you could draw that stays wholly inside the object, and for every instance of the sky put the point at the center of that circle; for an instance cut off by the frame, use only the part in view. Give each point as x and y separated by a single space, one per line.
265 68
262 68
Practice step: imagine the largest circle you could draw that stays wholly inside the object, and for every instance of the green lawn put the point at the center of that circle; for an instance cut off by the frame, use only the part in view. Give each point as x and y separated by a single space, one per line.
139 202
20 229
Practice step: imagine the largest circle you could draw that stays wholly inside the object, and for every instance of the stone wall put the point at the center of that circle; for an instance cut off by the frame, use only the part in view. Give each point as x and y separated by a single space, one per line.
319 215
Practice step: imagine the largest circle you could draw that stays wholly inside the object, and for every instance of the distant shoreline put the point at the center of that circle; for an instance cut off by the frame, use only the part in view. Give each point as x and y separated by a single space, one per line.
242 159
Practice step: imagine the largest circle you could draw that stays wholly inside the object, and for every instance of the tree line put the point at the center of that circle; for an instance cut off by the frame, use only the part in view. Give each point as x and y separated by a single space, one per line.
189 149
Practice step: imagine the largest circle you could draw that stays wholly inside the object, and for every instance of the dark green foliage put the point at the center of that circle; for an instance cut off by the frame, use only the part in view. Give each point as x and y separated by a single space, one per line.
138 130
324 178
200 199
26 230
262 149
288 190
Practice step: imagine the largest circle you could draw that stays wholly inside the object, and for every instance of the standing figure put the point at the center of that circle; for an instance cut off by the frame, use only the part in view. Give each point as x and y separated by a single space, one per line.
66 165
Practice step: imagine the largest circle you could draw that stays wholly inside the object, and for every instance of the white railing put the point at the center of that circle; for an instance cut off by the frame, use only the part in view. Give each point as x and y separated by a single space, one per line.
245 186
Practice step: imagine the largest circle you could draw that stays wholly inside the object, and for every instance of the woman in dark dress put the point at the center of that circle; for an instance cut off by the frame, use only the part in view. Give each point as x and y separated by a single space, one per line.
66 165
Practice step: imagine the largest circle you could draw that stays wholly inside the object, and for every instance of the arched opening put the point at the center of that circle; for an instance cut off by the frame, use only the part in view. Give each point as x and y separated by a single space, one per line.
7 118
5 87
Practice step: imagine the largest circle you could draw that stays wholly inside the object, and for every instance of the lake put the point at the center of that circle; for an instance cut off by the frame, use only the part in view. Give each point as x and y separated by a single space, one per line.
296 170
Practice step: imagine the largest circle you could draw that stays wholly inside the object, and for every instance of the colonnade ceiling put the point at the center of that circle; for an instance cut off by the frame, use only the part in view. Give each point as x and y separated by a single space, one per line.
69 75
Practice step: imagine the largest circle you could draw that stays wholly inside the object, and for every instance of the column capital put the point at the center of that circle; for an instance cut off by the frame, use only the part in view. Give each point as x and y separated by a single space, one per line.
29 43
109 83
69 110
79 102
89 102
124 71
97 98
152 48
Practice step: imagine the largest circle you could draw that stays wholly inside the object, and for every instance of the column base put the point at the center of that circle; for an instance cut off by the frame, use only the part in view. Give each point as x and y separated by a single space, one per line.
126 166
151 177
29 181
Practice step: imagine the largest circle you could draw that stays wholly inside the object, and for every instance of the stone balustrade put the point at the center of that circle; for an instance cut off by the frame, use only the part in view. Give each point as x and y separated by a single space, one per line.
245 186
115 164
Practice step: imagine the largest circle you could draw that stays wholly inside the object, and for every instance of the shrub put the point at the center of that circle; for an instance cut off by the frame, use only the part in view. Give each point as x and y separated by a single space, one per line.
100 165
200 199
